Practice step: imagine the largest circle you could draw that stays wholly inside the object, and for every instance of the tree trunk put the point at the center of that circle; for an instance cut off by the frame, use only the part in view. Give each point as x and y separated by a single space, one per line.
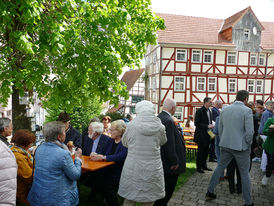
19 113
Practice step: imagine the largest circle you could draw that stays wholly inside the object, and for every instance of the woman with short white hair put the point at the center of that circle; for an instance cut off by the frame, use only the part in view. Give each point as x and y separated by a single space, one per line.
142 178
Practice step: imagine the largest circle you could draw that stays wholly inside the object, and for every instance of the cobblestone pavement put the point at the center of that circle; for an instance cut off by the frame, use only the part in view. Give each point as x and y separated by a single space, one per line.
194 190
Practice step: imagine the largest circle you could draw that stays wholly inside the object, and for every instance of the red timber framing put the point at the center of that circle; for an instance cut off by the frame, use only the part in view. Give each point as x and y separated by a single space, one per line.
169 67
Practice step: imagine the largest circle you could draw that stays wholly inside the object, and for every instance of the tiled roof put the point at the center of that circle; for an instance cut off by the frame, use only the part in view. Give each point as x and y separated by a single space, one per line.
115 109
130 77
182 29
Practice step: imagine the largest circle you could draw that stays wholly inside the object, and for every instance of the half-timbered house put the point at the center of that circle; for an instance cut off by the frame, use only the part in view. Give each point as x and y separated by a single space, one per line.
197 57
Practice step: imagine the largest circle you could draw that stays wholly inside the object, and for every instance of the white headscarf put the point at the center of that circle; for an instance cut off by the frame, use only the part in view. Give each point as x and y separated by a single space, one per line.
145 108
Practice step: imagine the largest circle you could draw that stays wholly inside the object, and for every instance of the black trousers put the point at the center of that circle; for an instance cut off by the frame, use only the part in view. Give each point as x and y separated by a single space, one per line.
230 172
212 154
170 183
270 164
202 154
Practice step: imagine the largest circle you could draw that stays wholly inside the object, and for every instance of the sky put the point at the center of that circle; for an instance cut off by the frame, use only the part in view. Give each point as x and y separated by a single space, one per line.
219 9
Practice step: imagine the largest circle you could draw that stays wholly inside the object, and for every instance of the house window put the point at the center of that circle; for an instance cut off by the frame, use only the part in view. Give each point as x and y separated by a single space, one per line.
196 55
259 86
178 113
132 110
181 54
212 84
179 83
231 57
200 83
246 34
136 99
261 59
232 84
253 59
250 85
208 56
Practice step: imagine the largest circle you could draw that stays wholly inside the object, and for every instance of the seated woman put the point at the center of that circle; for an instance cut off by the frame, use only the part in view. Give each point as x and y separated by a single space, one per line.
55 173
23 140
117 153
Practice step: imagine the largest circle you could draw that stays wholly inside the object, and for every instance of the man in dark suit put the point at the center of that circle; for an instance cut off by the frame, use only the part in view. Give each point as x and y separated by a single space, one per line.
203 122
172 153
95 141
215 113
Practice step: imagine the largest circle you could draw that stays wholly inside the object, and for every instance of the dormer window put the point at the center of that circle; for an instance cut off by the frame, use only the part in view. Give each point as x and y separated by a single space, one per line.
246 34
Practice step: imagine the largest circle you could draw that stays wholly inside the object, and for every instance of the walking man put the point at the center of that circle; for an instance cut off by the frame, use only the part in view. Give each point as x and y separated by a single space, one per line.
173 153
236 134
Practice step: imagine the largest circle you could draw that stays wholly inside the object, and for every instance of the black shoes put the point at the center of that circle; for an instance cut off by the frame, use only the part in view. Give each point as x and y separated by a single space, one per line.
200 171
212 160
210 196
249 205
206 168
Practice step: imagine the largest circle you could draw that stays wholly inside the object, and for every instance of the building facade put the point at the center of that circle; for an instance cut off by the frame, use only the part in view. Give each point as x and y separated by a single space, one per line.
198 57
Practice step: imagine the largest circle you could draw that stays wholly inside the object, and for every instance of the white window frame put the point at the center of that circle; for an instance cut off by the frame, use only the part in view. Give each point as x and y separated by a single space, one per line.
251 85
210 83
178 84
208 53
181 51
246 34
179 112
254 57
261 56
230 83
232 54
196 52
199 83
259 86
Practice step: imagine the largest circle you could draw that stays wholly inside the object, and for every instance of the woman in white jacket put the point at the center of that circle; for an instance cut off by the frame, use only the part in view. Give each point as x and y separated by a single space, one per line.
142 178
8 176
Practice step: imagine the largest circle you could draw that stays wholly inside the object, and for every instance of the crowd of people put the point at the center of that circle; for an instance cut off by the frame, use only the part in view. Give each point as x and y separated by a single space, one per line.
149 154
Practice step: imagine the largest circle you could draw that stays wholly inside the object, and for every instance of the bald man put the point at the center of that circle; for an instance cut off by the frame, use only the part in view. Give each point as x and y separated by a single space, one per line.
172 153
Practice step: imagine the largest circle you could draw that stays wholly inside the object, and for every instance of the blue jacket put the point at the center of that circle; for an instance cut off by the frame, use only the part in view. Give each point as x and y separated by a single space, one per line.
119 157
75 136
101 148
215 113
55 177
267 114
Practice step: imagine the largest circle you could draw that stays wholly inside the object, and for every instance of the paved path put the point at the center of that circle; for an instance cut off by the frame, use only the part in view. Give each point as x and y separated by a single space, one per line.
193 192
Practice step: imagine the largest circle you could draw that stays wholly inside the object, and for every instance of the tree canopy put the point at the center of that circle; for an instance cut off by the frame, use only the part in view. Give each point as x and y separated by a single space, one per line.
70 51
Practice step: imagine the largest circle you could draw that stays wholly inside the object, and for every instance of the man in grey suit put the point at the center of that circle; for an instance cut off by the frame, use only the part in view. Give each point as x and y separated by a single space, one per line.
236 133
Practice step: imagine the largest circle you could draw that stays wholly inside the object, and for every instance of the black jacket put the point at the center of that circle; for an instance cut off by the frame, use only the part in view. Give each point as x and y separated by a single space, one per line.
101 148
201 122
173 152
75 136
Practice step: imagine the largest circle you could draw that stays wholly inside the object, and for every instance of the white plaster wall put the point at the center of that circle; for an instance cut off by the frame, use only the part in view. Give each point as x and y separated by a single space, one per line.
220 57
231 70
271 60
206 67
167 52
170 67
224 97
241 84
221 68
222 84
181 67
244 69
163 93
179 97
243 58
268 85
231 98
166 81
195 68
251 70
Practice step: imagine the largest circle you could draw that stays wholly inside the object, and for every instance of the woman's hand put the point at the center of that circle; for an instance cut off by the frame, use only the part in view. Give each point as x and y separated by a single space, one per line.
97 157
78 153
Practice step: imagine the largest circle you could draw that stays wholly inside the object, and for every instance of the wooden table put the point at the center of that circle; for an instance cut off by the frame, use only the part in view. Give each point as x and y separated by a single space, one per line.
89 165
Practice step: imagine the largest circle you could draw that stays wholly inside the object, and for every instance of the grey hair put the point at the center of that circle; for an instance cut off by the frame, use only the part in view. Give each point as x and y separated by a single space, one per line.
51 130
97 127
269 103
4 123
169 104
120 125
218 101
